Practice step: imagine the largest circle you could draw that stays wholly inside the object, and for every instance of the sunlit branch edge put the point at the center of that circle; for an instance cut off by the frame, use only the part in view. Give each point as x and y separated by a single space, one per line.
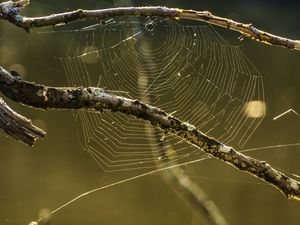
98 100
10 11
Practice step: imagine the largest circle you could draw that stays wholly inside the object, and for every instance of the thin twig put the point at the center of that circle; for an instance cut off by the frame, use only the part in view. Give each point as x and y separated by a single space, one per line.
18 126
97 99
10 11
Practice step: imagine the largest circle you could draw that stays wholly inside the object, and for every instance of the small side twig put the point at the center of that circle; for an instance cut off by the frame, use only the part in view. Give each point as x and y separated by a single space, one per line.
97 99
18 126
10 11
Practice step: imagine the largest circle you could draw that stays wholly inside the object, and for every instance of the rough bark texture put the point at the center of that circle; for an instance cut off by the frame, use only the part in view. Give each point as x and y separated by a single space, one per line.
18 126
97 99
10 11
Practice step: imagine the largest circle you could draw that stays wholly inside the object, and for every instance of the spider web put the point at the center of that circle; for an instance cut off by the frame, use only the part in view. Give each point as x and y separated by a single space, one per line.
188 71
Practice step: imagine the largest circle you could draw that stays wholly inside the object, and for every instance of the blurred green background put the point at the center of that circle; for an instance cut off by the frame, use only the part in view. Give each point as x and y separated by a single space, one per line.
56 169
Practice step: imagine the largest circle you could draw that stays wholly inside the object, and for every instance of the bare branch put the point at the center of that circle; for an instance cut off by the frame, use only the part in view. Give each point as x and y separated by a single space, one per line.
10 11
18 126
97 99
10 5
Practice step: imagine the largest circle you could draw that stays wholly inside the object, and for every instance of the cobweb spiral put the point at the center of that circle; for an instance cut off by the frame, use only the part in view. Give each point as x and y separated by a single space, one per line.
188 71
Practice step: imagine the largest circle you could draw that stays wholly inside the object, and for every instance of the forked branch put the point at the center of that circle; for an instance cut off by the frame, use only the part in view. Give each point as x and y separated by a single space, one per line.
97 99
10 11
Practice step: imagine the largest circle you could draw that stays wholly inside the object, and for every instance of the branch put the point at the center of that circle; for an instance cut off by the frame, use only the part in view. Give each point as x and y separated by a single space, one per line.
18 126
97 99
10 11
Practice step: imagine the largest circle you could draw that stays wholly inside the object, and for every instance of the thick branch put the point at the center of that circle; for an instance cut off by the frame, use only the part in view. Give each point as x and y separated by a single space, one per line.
10 11
18 126
97 99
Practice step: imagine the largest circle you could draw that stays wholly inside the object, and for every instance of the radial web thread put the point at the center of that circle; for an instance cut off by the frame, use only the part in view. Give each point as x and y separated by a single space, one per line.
188 71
